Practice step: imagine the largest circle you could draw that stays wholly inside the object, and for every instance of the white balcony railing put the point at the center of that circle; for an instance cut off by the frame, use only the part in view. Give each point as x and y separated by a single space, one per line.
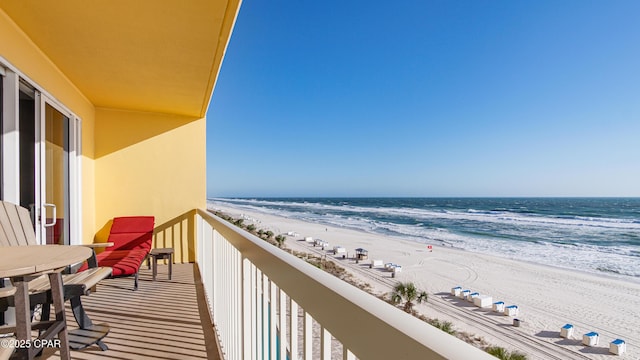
254 287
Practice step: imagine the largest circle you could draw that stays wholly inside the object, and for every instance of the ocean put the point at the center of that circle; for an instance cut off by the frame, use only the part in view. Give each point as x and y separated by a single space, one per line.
598 235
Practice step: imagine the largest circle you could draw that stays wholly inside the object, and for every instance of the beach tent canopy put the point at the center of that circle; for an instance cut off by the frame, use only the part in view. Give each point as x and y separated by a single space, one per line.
362 253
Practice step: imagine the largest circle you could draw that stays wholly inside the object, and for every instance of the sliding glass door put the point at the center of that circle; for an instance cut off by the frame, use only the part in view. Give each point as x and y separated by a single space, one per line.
40 139
54 174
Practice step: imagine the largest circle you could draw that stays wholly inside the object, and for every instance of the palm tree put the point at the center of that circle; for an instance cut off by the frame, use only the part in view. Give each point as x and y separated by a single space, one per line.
409 293
280 240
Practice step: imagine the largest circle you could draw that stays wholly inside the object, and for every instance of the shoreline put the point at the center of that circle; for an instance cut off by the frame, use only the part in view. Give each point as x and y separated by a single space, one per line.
548 297
601 274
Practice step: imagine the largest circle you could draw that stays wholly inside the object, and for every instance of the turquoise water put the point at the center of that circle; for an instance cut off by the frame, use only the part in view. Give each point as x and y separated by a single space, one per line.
599 235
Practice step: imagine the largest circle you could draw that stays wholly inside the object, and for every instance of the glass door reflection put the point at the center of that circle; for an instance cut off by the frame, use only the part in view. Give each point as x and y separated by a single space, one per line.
55 213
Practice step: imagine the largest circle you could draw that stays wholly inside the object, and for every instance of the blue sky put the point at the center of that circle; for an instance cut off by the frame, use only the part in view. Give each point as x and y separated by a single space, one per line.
428 98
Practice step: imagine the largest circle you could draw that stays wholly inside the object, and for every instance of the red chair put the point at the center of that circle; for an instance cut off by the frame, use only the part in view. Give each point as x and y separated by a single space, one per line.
131 237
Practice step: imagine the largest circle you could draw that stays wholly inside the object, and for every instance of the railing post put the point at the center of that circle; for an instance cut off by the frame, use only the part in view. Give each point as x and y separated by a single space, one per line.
347 355
273 316
282 334
325 344
255 314
246 310
265 317
308 336
293 327
260 334
238 301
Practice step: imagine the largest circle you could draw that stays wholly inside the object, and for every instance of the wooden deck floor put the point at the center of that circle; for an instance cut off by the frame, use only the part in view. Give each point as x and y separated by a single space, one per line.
166 319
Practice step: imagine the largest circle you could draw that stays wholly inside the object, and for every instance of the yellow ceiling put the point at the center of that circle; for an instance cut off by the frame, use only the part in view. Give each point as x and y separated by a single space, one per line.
147 55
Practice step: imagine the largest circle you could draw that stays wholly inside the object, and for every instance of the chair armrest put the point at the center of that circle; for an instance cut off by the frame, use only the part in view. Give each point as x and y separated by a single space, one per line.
98 245
7 291
93 260
82 283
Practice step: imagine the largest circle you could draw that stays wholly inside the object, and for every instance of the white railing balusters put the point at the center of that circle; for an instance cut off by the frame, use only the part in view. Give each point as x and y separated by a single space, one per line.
308 336
293 329
247 337
347 355
237 301
216 282
223 294
273 320
259 315
325 344
255 314
265 317
282 324
227 264
250 285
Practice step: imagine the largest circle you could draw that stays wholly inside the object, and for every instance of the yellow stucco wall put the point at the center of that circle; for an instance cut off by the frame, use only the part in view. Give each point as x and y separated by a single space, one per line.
150 164
133 163
20 52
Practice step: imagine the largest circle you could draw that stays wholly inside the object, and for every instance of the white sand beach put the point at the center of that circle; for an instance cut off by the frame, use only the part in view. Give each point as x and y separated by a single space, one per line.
547 297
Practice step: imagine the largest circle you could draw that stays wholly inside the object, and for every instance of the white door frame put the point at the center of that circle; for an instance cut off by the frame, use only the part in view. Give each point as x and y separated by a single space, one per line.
10 151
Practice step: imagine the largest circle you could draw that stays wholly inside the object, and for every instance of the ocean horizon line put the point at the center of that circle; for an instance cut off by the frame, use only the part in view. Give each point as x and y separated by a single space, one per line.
420 197
601 235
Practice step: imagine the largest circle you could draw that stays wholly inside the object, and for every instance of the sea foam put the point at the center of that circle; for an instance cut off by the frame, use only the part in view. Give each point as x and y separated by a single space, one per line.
598 244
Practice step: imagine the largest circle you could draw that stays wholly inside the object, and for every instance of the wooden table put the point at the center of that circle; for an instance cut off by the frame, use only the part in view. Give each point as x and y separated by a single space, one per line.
22 263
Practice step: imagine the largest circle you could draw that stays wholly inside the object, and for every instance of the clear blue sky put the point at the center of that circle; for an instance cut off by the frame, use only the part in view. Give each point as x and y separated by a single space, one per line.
428 98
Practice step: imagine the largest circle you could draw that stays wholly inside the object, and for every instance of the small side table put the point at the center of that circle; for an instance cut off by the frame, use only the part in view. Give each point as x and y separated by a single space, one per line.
161 253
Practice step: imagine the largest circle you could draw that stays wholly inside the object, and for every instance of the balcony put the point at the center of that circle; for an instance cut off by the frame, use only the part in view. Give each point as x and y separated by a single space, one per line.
162 320
250 289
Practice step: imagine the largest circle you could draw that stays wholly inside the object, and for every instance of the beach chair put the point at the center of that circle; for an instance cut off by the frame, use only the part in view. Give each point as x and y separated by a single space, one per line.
6 351
339 250
617 347
17 230
131 237
566 331
464 294
511 310
498 306
590 339
455 291
482 301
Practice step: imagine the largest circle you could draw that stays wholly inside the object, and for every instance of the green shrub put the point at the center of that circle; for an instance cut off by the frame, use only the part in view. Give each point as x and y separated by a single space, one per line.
445 326
280 240
502 353
517 356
